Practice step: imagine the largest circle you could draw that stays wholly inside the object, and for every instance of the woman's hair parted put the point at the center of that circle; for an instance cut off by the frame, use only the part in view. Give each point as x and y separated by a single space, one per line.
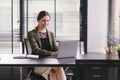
42 14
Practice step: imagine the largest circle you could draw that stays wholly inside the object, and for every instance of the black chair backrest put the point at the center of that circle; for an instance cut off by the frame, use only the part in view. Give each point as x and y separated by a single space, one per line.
27 46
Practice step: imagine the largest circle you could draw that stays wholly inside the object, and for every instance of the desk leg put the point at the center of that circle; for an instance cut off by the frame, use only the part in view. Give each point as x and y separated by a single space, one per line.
20 73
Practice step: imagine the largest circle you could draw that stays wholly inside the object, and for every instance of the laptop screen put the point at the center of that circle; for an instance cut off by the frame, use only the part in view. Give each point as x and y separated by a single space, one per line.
67 48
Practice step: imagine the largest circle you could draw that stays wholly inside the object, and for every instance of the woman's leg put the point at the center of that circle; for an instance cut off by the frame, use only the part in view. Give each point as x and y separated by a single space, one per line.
53 75
43 71
60 73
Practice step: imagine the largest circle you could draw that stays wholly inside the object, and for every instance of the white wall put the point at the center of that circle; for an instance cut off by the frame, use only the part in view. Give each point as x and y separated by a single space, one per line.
97 25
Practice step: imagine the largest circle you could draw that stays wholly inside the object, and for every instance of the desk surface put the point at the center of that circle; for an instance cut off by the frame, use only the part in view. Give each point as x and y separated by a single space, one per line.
97 56
8 60
92 59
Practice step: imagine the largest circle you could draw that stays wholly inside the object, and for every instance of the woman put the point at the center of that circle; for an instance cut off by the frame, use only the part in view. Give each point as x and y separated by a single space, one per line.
43 44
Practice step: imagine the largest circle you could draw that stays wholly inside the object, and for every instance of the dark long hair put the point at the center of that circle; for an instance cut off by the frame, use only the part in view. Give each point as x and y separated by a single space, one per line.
42 14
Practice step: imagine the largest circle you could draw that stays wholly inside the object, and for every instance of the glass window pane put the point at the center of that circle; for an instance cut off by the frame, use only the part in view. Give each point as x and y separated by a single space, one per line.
9 27
67 16
34 7
5 26
67 19
16 27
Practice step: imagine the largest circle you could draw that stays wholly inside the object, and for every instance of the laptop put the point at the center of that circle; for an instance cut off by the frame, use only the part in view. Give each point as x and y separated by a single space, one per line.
67 49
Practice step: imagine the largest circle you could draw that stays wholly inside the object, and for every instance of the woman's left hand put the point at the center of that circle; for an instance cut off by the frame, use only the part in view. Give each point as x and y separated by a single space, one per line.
54 54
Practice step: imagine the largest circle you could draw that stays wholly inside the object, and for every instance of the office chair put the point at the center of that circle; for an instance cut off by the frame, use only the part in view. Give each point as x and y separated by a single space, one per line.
27 46
69 71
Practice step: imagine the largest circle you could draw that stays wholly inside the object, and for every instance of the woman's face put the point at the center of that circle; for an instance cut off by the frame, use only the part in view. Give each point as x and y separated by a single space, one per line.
44 22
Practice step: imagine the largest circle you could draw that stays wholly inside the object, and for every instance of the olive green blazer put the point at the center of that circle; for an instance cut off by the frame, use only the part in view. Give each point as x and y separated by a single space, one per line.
35 43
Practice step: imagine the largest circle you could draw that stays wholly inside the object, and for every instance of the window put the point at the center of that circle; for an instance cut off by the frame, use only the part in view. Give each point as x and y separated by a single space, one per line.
114 22
9 26
67 19
64 13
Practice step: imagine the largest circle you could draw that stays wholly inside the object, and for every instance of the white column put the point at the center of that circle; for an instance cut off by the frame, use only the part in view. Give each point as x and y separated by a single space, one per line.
97 25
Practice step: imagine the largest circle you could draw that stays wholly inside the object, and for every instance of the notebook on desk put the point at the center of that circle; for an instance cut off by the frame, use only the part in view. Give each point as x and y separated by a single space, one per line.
67 49
26 56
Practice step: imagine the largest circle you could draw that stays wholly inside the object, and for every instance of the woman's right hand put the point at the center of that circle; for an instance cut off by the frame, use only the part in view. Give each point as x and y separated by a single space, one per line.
54 54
